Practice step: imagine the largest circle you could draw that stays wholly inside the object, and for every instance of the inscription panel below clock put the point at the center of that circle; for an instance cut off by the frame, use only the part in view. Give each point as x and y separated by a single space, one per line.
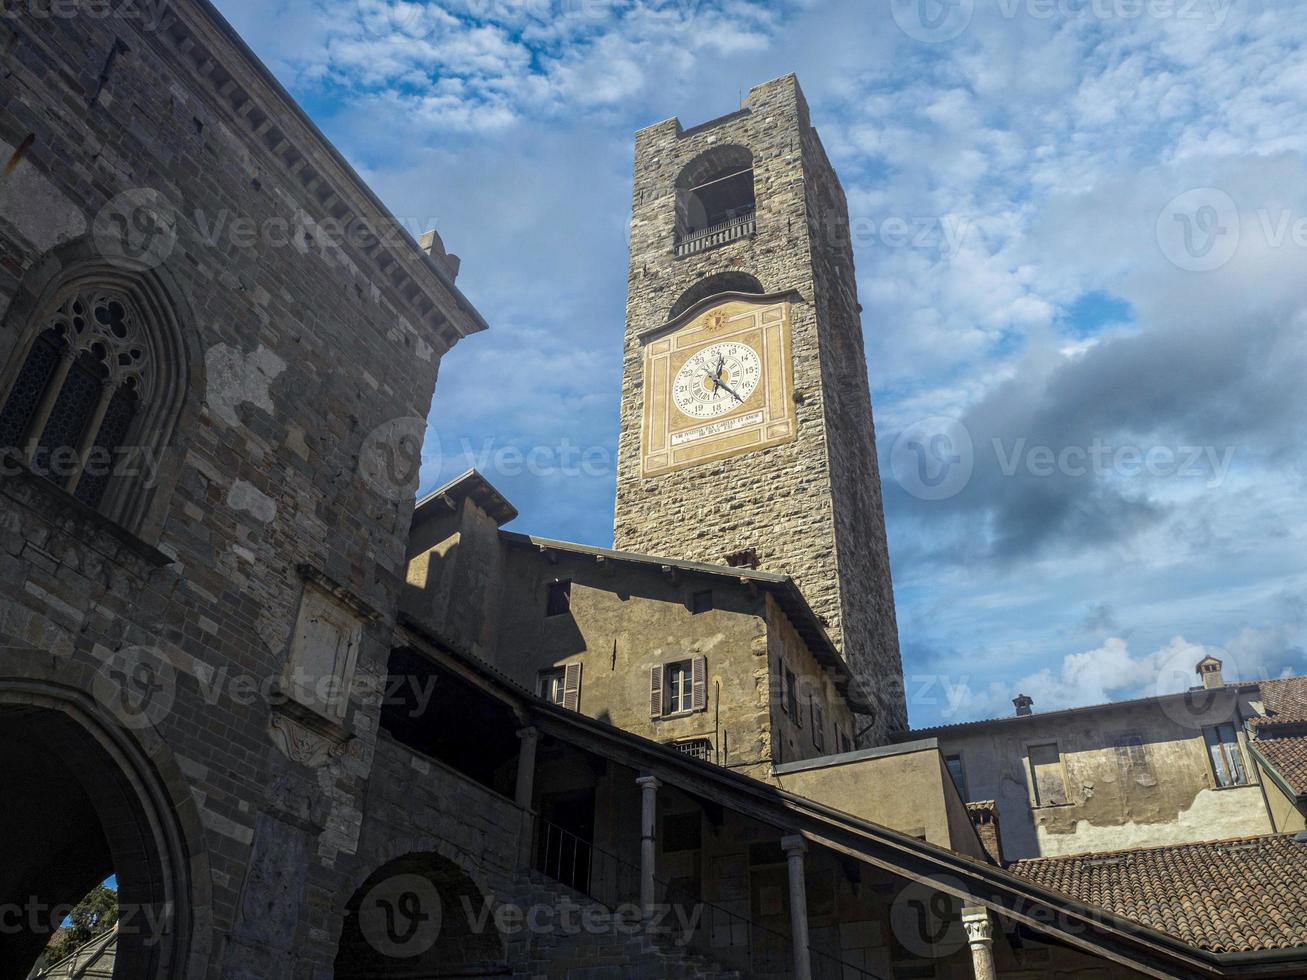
720 385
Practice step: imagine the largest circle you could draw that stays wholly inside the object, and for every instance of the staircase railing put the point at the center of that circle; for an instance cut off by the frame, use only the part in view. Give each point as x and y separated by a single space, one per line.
709 928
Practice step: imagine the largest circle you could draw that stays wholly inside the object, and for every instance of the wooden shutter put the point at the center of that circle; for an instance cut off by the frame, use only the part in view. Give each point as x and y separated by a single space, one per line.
572 687
699 682
656 692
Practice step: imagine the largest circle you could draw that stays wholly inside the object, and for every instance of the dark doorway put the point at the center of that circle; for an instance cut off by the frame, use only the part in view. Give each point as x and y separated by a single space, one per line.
564 838
419 917
72 818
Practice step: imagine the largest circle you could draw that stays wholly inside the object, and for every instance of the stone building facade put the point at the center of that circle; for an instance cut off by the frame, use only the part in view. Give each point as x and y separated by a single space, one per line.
808 506
604 631
304 756
216 350
1167 770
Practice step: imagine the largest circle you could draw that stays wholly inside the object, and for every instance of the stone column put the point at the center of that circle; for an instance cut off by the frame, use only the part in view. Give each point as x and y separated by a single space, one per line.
525 792
980 934
794 847
526 766
648 820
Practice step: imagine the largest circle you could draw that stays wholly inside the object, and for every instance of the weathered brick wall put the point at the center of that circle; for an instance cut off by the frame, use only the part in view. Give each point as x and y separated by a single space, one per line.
810 508
298 350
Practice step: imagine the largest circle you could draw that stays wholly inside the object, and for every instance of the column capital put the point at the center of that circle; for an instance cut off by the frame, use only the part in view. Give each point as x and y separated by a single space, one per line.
793 844
980 927
528 732
648 782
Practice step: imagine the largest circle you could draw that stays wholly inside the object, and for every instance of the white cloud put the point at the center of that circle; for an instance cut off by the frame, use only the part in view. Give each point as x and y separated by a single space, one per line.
1057 142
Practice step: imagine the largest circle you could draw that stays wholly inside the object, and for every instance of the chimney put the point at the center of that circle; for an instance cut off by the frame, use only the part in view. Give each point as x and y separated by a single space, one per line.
1209 669
1023 703
434 247
984 817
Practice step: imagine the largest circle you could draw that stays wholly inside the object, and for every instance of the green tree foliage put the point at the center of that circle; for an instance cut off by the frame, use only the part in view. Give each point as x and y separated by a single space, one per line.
92 916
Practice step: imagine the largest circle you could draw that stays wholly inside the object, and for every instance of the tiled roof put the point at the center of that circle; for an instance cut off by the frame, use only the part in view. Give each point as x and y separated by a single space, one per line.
1224 896
1288 757
1285 700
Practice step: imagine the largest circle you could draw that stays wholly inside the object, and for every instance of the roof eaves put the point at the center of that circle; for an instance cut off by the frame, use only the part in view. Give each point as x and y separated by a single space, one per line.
1280 780
834 825
1034 717
470 483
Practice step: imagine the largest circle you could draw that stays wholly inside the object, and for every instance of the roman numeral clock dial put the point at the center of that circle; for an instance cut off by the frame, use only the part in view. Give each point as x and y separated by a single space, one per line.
718 385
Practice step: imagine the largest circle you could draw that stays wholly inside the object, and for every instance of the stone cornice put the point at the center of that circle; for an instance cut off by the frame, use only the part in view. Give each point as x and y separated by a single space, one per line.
194 36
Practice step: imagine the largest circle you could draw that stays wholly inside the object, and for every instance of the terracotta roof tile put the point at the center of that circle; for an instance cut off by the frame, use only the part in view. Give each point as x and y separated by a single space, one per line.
1285 700
1288 757
1224 896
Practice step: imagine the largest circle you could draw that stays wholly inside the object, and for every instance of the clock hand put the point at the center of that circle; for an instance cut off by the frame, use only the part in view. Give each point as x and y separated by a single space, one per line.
723 384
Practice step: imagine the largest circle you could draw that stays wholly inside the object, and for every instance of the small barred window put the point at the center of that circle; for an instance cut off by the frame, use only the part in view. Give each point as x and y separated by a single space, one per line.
697 748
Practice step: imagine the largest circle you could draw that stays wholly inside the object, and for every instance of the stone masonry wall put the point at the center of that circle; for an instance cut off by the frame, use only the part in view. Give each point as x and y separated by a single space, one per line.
298 350
810 508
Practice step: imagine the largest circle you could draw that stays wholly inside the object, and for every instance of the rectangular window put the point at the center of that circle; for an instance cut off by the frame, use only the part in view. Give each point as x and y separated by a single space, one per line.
550 686
1046 776
701 602
1227 759
818 724
561 686
559 602
954 763
679 687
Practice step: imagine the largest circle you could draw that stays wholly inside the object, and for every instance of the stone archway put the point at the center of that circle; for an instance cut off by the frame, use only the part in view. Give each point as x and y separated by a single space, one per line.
419 915
84 800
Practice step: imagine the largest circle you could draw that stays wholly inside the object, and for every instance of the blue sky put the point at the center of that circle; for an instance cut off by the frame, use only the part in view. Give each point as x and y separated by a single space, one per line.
1100 302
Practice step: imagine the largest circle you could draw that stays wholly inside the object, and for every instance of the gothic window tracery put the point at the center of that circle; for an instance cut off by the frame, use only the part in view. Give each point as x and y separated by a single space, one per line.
69 410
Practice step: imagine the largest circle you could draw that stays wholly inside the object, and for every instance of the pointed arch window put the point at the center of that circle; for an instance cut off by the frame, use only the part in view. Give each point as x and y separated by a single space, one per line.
70 410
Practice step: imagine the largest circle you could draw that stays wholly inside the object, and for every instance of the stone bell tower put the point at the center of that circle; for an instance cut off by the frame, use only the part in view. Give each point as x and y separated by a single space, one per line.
746 433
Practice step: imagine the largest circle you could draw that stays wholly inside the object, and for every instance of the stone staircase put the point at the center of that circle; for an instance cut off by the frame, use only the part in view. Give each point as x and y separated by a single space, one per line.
607 945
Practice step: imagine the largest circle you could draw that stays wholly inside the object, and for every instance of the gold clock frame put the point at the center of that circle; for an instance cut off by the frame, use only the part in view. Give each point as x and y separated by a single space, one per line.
671 441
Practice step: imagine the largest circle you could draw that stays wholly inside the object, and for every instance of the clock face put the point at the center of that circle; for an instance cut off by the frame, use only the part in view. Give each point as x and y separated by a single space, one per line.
718 385
716 380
